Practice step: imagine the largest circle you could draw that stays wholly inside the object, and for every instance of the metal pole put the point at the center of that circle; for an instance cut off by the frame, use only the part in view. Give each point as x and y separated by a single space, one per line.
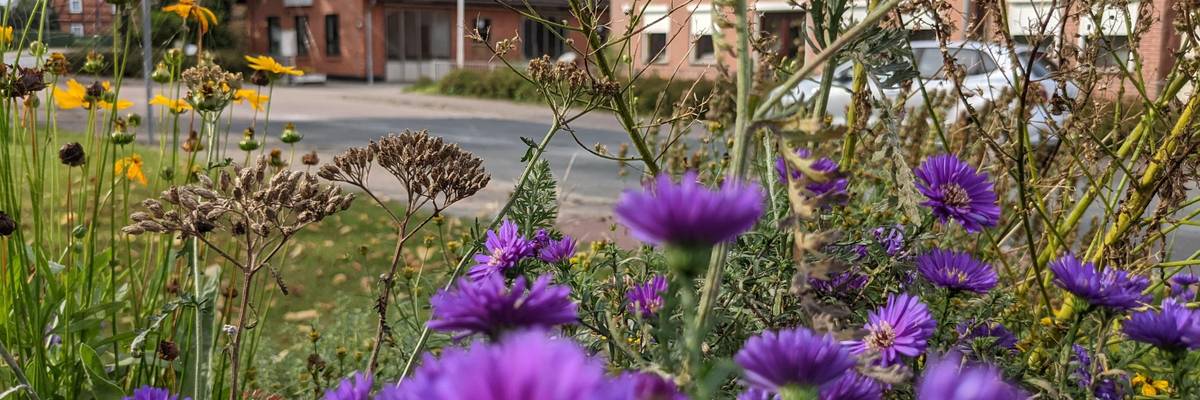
370 25
147 57
458 36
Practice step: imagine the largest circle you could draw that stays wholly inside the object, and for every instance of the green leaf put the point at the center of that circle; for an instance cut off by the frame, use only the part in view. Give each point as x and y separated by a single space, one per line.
536 204
101 386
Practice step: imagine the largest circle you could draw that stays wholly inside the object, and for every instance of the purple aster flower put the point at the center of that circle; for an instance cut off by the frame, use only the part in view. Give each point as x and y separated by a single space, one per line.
689 214
1108 389
835 185
541 238
902 327
956 271
892 239
860 251
843 286
357 387
1083 368
153 393
648 386
557 251
852 386
1105 288
490 308
774 360
970 331
505 248
1172 328
1181 285
646 299
949 379
522 366
957 191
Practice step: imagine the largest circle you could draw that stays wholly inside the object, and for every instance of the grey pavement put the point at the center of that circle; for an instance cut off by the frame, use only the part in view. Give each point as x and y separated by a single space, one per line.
335 116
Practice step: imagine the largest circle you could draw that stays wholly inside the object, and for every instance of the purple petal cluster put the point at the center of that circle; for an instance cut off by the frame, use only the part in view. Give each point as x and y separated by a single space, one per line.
852 386
792 357
1173 327
836 184
689 214
648 386
646 299
1083 367
153 393
557 251
956 191
488 307
843 286
969 331
1183 286
901 327
357 387
892 239
505 248
522 366
950 379
956 271
1105 288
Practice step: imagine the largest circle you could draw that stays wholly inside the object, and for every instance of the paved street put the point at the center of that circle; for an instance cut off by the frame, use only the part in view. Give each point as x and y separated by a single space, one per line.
338 115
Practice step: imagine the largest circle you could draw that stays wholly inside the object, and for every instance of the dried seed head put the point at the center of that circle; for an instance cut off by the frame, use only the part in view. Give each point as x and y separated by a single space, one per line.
72 155
431 168
352 166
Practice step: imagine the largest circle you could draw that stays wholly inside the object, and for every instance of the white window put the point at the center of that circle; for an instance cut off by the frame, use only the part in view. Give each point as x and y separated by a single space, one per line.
75 7
77 29
704 50
1109 36
657 25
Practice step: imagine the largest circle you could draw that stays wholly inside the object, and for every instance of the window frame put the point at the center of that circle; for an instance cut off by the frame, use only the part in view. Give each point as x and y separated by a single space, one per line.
333 35
75 6
82 31
302 26
274 35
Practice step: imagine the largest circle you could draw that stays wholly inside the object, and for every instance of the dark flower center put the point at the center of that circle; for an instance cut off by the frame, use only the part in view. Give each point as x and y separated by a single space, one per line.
881 337
954 195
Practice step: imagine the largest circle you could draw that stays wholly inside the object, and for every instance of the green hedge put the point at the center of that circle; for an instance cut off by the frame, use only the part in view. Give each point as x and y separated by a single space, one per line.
507 85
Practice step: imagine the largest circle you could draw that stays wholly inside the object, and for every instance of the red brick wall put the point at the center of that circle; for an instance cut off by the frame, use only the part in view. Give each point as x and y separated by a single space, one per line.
88 18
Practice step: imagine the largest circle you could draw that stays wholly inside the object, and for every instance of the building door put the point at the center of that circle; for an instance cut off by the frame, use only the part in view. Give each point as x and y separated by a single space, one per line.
419 35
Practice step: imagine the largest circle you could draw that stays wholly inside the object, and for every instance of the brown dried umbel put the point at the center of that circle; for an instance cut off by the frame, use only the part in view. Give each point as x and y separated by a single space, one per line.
210 88
263 210
431 171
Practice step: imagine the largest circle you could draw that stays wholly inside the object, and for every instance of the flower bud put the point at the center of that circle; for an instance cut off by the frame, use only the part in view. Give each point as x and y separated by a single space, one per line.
95 90
57 64
248 143
260 78
37 48
289 134
310 159
71 154
134 120
7 224
161 73
173 57
94 63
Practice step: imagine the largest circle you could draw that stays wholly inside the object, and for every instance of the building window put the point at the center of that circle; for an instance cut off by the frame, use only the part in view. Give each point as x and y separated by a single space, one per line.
333 39
656 25
418 35
77 29
302 35
75 6
541 40
1112 52
273 35
484 27
702 38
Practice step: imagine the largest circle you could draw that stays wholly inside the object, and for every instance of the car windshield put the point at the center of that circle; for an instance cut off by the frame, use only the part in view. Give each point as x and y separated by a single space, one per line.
930 62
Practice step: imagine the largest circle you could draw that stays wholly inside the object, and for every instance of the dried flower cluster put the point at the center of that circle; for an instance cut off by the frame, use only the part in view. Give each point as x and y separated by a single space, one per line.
545 71
210 87
430 169
244 203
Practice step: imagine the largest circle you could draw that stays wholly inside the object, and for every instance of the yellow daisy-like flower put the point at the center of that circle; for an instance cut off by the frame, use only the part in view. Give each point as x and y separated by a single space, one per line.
250 95
1149 386
177 106
268 64
131 167
6 34
75 96
188 9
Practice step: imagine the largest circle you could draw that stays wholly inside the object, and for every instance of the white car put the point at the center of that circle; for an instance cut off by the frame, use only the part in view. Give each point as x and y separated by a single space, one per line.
989 74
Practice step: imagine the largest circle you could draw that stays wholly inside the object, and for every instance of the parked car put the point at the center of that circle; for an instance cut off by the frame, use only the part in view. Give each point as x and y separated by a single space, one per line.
989 74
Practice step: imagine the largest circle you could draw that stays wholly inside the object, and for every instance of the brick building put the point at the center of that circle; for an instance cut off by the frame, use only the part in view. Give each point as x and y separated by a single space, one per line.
676 36
83 17
395 40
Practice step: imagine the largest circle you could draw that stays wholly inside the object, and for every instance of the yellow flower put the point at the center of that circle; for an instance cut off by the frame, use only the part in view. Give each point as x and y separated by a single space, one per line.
1150 387
6 34
250 95
75 96
132 168
188 9
177 106
268 64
